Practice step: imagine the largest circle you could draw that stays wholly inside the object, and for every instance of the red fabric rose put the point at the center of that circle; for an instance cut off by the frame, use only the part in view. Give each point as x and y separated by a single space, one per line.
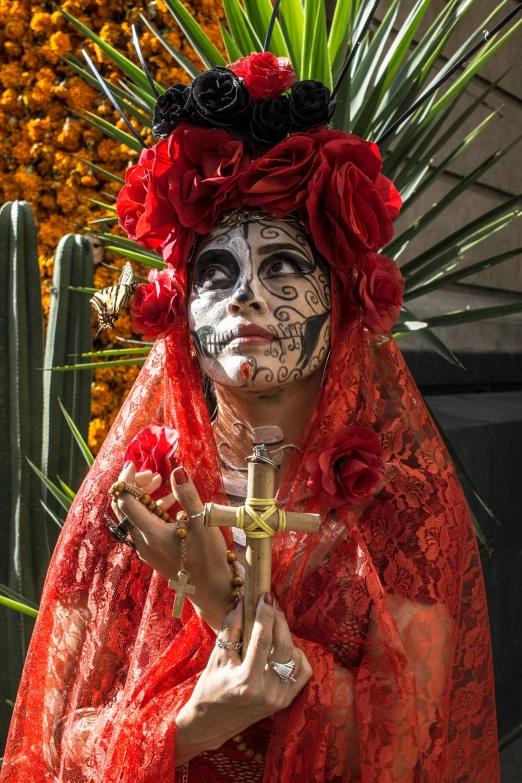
278 180
146 216
142 216
155 448
198 174
156 304
264 74
177 246
350 469
378 290
351 205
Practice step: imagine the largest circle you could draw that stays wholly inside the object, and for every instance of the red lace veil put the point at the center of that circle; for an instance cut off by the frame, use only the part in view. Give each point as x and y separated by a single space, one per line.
389 607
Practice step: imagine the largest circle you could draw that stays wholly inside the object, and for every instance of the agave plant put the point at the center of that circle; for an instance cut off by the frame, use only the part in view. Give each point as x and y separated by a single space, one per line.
387 90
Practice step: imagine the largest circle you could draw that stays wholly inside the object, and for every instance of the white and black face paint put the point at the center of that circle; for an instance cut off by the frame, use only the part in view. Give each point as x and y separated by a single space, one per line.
259 305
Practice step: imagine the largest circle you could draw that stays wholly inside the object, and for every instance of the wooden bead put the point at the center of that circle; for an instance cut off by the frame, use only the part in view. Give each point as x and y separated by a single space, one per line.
145 499
119 486
181 532
231 556
229 608
181 516
152 505
238 581
237 738
164 515
242 746
235 594
258 756
249 753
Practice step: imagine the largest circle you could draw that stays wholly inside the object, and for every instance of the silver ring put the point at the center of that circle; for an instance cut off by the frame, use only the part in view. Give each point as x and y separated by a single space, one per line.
193 516
228 645
284 670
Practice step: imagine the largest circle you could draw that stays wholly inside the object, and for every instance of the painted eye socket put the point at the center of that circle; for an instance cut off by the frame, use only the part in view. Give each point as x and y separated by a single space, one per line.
281 266
213 274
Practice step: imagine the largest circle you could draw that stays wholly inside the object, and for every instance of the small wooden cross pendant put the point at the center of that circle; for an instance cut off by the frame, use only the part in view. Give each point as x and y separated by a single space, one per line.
181 587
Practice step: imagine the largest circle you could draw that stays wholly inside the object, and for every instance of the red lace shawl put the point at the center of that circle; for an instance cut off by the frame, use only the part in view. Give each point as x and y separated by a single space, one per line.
389 607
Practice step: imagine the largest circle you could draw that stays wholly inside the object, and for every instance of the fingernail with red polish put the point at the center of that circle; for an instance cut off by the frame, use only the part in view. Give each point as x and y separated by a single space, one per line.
268 598
236 602
180 476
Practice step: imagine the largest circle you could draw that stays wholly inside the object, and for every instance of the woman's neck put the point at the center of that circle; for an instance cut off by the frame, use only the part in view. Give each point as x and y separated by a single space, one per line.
280 412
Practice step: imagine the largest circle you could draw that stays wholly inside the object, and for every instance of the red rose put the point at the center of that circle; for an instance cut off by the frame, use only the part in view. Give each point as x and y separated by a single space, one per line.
378 290
264 74
351 205
155 448
278 180
142 216
177 246
350 469
156 304
198 174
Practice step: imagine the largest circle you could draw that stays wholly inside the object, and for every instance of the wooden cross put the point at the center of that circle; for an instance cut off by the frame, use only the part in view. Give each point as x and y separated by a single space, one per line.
261 471
182 588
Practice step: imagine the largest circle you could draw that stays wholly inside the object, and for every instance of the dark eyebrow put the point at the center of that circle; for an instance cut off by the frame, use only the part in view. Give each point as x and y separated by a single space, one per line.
215 254
275 247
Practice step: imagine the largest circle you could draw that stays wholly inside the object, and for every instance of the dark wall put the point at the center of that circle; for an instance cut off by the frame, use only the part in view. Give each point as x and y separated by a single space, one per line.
486 430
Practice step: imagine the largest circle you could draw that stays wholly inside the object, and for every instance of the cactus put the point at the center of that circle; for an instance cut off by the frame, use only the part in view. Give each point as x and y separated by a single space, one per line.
68 335
24 546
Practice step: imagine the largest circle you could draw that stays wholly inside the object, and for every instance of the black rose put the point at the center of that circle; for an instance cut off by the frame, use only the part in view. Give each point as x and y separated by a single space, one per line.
310 104
271 121
220 99
170 110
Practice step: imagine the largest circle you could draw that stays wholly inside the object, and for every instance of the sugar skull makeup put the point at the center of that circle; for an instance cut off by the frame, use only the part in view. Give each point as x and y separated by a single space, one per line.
259 305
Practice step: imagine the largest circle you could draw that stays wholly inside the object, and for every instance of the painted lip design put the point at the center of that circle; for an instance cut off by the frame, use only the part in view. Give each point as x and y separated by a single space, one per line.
250 334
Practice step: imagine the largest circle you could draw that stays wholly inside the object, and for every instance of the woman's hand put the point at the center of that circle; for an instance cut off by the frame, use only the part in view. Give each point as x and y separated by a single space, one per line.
157 545
231 695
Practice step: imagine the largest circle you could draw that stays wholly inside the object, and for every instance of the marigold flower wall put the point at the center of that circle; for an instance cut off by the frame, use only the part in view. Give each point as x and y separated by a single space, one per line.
39 134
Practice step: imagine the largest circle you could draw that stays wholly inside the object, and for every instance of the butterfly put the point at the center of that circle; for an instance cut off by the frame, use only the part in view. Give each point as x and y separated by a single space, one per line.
108 301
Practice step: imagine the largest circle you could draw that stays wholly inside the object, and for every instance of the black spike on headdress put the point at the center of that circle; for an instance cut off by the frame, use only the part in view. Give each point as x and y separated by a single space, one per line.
271 25
112 99
463 60
355 48
136 44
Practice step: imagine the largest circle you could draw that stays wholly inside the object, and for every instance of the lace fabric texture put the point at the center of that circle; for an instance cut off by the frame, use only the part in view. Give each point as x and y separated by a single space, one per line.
387 602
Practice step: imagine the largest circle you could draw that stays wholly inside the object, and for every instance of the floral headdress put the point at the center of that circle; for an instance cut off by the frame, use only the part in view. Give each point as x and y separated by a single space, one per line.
250 136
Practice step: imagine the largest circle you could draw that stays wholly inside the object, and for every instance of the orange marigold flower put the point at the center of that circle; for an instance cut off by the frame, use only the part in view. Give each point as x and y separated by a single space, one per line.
40 22
60 42
15 28
10 99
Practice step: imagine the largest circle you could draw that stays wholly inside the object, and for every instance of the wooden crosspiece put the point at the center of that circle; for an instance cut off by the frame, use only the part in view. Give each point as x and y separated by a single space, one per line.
260 519
182 588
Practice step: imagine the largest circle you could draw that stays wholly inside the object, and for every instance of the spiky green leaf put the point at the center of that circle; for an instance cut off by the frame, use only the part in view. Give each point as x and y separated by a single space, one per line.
242 31
197 38
89 459
177 56
441 279
54 517
14 596
18 606
60 496
479 314
100 365
133 71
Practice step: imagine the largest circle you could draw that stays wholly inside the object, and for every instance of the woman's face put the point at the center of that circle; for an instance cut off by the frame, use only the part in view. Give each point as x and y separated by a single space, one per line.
259 305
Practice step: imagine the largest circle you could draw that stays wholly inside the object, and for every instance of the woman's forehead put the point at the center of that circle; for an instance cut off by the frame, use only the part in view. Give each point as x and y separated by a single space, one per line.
255 234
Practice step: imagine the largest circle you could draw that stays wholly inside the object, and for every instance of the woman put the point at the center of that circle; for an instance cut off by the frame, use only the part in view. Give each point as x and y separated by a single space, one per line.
286 314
